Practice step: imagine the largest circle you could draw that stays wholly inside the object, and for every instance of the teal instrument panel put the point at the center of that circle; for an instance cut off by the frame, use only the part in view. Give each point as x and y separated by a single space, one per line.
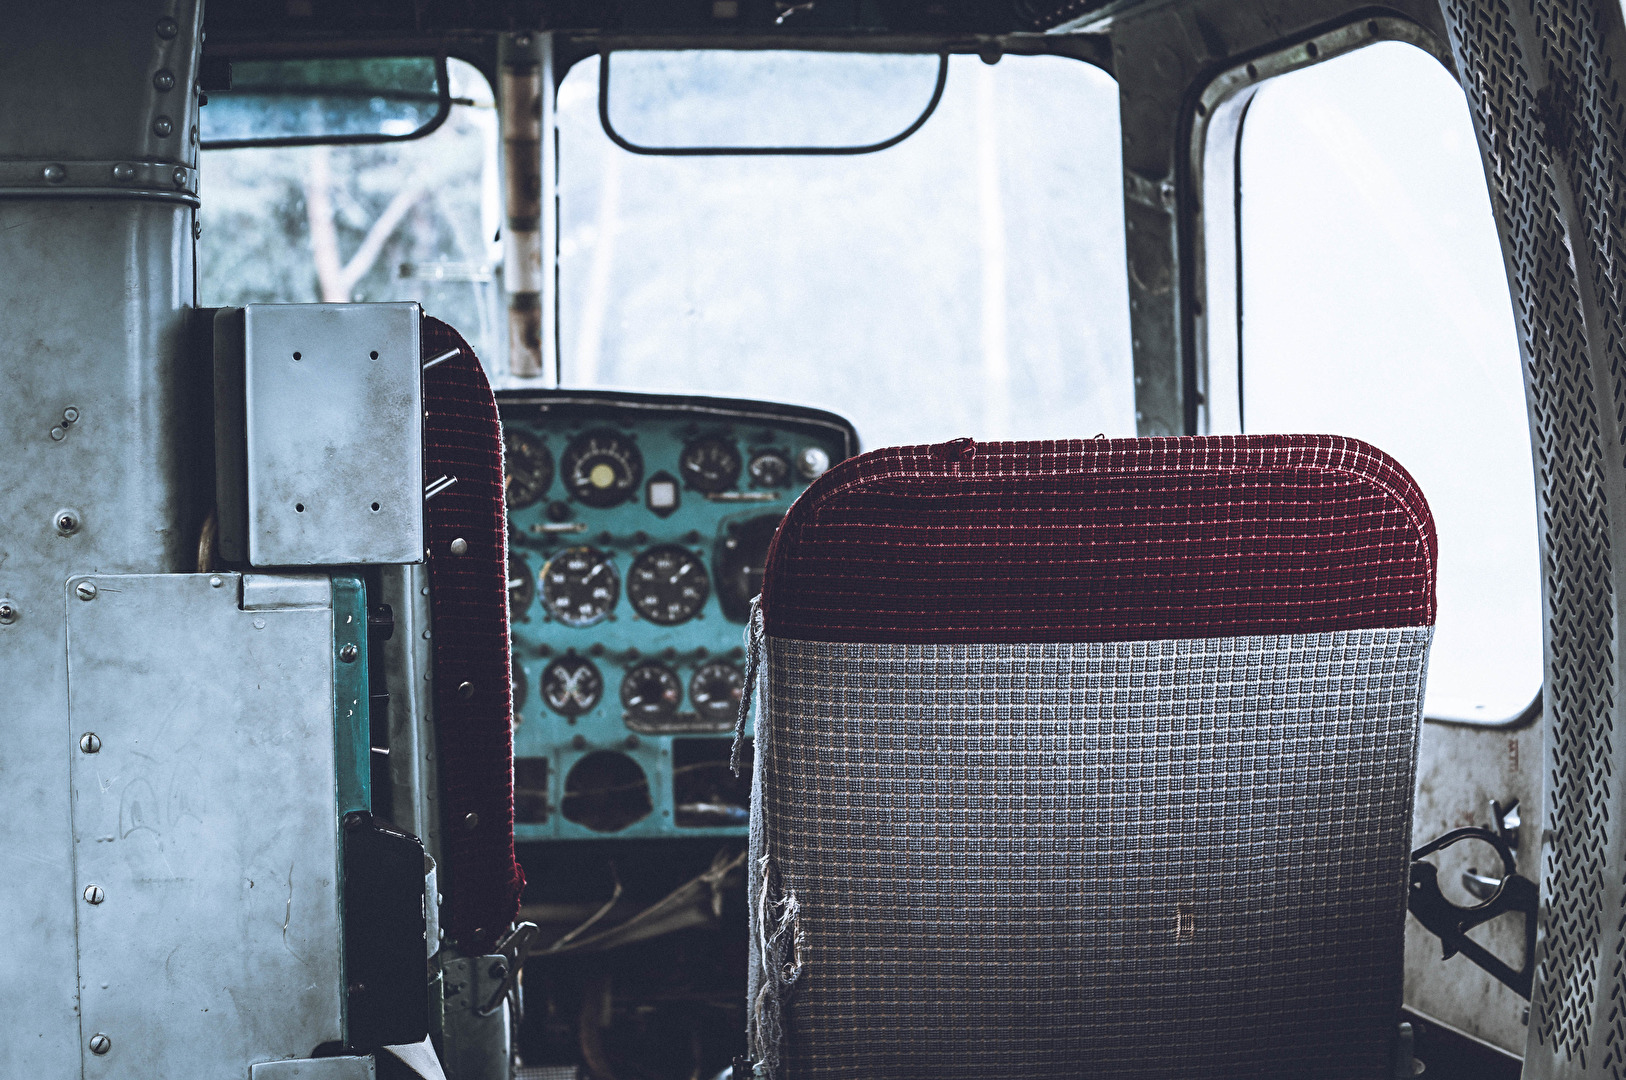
638 527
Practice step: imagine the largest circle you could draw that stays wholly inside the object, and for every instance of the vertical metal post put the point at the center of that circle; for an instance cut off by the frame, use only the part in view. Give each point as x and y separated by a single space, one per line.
1153 72
525 105
104 414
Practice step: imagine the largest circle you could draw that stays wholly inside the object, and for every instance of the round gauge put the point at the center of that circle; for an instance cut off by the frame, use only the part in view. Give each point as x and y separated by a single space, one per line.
521 586
710 464
519 684
651 689
812 462
739 561
579 586
527 469
716 690
668 584
602 468
571 685
770 469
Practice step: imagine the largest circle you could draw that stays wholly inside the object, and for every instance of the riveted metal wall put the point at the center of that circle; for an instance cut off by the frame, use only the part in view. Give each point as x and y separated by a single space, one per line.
101 416
1542 80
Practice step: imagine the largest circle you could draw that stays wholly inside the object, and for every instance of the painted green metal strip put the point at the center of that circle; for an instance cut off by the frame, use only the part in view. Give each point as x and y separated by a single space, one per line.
352 741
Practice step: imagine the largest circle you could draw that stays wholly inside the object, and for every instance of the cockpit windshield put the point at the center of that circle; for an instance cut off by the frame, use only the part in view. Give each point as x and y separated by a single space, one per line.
967 280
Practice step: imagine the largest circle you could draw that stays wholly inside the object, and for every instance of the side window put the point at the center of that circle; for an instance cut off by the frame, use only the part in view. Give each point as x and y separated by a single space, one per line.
413 220
1374 304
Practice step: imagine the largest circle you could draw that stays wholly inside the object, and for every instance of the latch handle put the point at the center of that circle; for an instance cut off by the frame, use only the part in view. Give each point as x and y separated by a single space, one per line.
1451 923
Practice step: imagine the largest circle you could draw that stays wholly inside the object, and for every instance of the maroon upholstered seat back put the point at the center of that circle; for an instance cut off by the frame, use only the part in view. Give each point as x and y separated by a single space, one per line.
1089 758
479 876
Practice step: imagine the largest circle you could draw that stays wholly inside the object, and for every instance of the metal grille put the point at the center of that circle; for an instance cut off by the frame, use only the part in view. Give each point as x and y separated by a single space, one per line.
1137 859
1547 108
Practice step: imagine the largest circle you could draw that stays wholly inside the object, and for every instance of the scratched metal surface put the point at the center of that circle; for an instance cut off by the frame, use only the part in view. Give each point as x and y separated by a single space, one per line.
208 821
1460 770
334 434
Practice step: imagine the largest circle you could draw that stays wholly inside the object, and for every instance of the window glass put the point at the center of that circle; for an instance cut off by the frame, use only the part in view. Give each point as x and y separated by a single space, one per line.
1375 305
412 220
968 281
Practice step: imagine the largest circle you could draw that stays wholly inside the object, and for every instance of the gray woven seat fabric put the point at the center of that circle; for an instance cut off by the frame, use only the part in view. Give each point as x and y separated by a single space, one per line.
1153 857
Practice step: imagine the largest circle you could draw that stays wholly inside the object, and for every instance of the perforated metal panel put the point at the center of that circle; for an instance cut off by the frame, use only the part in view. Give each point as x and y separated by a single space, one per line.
1129 859
1542 80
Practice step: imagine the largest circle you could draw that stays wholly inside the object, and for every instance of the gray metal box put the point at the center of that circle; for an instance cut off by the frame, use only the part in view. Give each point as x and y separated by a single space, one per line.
319 434
205 825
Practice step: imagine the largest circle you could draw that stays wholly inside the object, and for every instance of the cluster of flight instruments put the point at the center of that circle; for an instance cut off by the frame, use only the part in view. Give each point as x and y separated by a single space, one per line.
638 531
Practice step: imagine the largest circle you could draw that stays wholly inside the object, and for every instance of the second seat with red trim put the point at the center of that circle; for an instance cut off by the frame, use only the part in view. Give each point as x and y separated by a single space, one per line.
1089 758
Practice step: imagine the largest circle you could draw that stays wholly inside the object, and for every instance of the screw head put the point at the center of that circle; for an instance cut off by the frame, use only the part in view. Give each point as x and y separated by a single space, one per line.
163 79
471 822
70 415
85 590
348 654
123 172
161 127
216 581
54 174
8 611
460 546
465 690
167 28
67 521
100 1044
94 894
58 434
179 176
90 743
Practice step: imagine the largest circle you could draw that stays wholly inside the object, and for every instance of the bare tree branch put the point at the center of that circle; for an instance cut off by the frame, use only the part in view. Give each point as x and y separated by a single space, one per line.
372 245
337 280
324 233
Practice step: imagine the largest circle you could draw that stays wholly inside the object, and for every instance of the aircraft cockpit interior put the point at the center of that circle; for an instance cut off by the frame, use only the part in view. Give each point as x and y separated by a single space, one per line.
812 539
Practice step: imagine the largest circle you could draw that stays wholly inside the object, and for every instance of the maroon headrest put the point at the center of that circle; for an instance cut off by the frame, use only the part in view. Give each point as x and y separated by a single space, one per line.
1104 540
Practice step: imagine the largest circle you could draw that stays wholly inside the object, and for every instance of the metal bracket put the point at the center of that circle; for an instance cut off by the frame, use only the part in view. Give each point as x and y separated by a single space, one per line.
1507 822
470 980
1451 923
514 949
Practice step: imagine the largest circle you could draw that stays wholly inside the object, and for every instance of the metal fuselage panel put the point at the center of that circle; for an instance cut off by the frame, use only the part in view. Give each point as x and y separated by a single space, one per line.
334 434
93 296
96 281
205 828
